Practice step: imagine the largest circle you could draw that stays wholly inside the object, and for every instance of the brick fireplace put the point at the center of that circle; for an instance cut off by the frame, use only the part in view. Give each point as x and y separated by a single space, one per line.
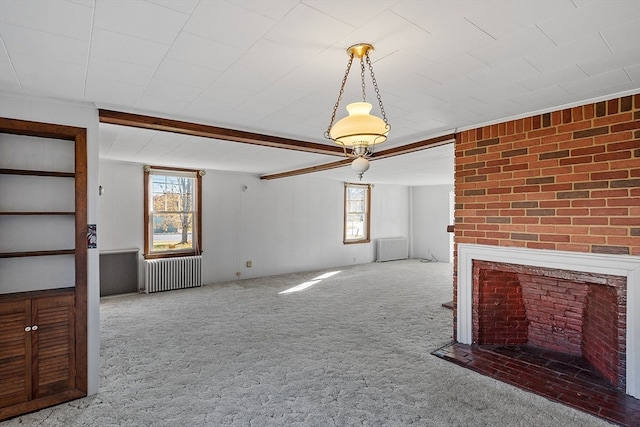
547 222
580 314
591 305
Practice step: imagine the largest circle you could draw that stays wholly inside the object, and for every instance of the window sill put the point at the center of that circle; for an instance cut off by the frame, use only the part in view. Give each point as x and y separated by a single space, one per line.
172 254
352 242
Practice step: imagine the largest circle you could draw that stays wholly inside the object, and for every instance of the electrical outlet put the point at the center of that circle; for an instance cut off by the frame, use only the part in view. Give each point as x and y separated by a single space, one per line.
238 273
249 264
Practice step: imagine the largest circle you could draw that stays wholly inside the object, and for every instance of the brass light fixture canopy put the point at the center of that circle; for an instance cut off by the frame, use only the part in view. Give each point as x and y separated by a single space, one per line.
360 131
360 50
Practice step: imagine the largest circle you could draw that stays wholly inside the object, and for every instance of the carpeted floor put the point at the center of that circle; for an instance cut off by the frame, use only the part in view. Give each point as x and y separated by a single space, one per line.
351 349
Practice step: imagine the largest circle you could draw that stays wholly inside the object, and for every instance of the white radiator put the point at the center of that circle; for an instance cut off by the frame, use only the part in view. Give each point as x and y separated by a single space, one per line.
172 273
392 248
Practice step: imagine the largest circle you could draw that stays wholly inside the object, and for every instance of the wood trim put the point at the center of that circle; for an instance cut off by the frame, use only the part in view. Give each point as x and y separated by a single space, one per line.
145 207
147 254
226 134
45 130
81 289
198 246
40 403
391 152
207 131
35 294
37 253
326 166
415 146
37 213
36 173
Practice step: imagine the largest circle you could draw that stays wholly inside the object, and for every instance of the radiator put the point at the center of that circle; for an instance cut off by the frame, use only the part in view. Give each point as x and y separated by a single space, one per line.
172 273
392 248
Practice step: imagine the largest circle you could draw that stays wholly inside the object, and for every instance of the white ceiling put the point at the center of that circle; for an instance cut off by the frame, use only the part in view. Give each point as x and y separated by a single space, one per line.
274 67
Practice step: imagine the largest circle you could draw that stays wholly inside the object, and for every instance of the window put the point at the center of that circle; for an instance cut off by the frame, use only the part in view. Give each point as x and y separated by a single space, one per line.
357 203
172 209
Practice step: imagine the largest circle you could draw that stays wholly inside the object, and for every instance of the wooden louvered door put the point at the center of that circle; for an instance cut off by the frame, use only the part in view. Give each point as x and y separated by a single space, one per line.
53 345
37 347
15 352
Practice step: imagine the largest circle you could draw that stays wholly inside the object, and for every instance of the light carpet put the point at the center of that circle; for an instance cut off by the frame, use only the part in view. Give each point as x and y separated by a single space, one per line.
350 349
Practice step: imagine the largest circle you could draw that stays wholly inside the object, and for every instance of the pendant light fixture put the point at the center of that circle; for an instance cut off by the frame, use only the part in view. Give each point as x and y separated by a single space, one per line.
359 132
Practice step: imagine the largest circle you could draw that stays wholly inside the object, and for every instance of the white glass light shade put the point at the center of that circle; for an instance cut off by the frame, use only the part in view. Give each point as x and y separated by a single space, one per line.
360 165
359 128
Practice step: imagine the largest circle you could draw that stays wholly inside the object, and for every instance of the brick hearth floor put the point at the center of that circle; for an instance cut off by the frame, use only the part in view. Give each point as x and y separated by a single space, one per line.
556 376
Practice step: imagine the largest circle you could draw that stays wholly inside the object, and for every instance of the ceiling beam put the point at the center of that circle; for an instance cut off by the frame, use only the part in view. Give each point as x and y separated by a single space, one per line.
207 131
391 152
312 169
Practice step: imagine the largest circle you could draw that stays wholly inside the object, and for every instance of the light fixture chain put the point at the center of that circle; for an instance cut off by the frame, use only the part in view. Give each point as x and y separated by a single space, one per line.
335 107
375 86
364 92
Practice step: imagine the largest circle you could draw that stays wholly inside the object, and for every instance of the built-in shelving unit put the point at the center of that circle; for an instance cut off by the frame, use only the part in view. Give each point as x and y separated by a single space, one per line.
43 257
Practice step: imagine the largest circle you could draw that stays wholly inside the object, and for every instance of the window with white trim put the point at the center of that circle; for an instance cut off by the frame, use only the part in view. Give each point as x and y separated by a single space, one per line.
357 204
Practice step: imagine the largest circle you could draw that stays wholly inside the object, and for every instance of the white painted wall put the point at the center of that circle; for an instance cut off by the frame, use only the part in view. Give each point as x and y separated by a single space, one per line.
281 226
86 116
430 217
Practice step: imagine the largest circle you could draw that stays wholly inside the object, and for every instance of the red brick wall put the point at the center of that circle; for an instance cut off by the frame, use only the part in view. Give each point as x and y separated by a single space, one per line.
567 180
603 333
499 312
555 309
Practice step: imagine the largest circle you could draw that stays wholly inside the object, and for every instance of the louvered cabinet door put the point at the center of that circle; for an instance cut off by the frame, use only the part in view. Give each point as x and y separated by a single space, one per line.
53 345
15 352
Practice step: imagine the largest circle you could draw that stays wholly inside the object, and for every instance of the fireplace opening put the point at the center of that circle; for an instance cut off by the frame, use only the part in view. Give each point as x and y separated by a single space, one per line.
575 317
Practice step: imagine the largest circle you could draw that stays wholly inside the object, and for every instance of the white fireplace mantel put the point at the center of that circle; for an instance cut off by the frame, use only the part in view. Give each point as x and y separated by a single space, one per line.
616 265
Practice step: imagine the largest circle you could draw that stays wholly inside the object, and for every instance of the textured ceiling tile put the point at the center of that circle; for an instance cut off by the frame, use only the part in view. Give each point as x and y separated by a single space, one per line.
45 45
308 28
139 19
569 54
58 17
273 9
272 57
172 70
454 68
228 24
203 52
590 19
120 71
459 38
355 13
527 42
171 91
436 15
623 37
124 48
614 61
634 72
599 81
161 105
553 78
184 6
105 92
541 98
504 72
504 18
8 77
